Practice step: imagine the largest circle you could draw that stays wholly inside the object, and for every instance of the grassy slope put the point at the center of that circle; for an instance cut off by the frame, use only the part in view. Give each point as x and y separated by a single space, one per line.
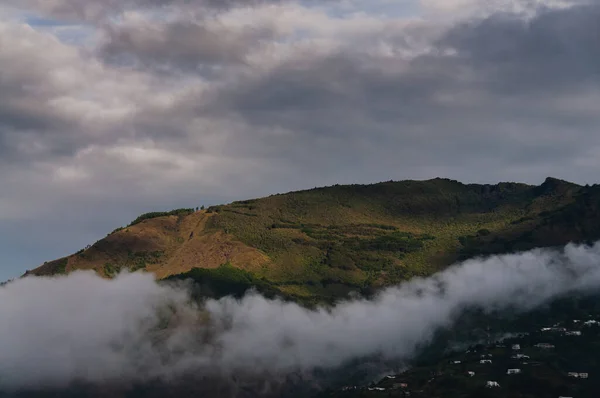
325 242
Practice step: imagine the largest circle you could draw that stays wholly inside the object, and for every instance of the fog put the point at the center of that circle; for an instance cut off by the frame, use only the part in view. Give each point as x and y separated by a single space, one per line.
54 331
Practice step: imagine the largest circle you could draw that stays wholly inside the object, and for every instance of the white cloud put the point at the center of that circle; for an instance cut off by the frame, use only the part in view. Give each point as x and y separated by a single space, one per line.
110 331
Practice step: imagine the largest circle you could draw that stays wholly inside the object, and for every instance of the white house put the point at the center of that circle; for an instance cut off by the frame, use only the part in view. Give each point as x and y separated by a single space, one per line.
520 356
516 347
583 375
456 362
544 345
573 333
471 373
390 377
485 361
491 384
553 329
573 374
513 371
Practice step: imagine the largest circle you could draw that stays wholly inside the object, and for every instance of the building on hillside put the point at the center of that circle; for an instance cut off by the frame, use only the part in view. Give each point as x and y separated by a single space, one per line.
471 373
513 371
400 385
545 346
554 329
577 375
485 361
376 389
520 356
390 377
573 333
516 347
492 384
456 362
589 323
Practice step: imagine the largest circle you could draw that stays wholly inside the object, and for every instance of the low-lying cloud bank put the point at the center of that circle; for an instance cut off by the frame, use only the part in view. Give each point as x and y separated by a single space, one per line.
83 328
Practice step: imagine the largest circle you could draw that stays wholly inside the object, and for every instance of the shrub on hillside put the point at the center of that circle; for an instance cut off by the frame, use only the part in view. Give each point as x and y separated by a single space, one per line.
147 216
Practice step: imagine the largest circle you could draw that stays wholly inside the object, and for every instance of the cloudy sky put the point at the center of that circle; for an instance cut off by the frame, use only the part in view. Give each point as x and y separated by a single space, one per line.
111 108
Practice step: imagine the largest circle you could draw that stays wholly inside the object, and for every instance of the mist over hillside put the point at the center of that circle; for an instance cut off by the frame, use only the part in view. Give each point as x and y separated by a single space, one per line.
132 331
299 198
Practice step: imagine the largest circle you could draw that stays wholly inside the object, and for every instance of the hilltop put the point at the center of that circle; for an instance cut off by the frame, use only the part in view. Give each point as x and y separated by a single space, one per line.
323 243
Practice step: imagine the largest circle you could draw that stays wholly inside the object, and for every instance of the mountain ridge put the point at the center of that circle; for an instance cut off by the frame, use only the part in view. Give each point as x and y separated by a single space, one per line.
323 243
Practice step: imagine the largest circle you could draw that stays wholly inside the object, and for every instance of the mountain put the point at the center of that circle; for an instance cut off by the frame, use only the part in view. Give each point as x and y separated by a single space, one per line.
321 244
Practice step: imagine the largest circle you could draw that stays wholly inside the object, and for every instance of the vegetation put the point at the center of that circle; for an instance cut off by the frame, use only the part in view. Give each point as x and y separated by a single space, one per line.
61 266
374 235
321 244
111 270
156 214
134 261
226 280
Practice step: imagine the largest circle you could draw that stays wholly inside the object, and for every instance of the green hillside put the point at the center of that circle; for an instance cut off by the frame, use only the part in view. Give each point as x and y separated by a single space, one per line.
320 244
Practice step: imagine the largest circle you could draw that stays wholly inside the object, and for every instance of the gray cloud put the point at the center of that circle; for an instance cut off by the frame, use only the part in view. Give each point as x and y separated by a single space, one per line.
181 44
86 10
250 101
101 331
556 51
503 87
